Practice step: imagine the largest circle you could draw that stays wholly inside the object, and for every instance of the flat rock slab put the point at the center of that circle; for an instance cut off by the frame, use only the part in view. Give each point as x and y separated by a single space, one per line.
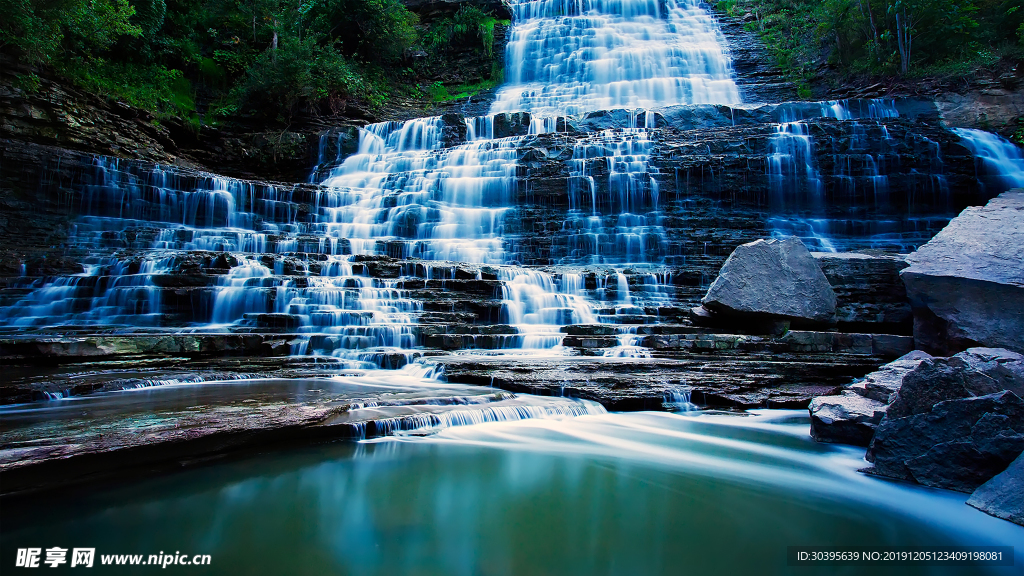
1003 495
776 278
966 285
48 444
30 382
737 380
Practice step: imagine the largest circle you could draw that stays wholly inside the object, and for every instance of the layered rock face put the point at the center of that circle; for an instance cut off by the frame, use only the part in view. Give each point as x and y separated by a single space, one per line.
619 219
967 284
868 289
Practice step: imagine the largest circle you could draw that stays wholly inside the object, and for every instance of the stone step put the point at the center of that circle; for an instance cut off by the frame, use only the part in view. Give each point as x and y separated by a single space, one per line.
882 345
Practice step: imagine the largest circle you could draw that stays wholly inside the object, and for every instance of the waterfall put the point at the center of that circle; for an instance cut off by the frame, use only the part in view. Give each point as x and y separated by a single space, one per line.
999 162
572 56
451 198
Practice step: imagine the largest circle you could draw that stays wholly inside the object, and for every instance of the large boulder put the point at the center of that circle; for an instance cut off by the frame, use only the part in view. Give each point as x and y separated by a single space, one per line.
1003 495
852 416
957 445
975 372
772 279
966 285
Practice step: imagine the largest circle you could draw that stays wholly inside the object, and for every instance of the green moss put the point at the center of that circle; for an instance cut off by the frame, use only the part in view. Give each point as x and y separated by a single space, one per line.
151 87
440 93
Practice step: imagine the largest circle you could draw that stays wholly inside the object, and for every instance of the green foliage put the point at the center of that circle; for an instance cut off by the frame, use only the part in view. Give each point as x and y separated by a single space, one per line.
215 59
469 25
881 36
440 93
150 87
1018 135
370 30
43 29
301 71
27 82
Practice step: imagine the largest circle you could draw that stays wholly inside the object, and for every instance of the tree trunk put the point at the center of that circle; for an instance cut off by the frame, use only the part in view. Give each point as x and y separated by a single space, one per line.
903 39
875 41
273 43
871 20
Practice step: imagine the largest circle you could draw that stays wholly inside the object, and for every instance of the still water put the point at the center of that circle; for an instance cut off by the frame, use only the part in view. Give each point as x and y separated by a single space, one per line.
633 493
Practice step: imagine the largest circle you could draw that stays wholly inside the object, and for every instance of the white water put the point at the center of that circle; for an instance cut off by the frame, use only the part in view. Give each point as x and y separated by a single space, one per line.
407 194
1000 163
573 56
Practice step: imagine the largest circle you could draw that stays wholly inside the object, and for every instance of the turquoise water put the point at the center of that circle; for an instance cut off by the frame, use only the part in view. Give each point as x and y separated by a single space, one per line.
634 493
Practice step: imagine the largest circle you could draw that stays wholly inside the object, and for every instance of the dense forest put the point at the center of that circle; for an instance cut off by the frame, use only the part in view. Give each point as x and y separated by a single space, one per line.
905 38
204 60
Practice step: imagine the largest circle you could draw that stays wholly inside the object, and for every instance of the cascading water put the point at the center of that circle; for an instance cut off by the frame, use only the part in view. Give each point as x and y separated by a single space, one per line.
1000 163
861 165
169 249
572 56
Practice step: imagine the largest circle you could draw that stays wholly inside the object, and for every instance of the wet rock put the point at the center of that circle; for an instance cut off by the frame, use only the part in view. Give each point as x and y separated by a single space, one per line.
852 416
975 372
1003 495
848 418
957 445
966 285
514 124
870 295
884 383
993 109
178 426
69 349
772 278
715 371
453 130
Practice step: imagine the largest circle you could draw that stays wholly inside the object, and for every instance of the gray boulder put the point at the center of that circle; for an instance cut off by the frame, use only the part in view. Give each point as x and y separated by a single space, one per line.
1003 495
772 278
957 445
846 418
852 416
966 285
975 372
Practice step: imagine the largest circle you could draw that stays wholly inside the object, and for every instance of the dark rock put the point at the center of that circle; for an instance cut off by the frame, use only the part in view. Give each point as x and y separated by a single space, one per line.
717 370
883 384
958 445
852 416
870 295
453 131
976 372
1003 495
775 278
848 418
966 284
514 124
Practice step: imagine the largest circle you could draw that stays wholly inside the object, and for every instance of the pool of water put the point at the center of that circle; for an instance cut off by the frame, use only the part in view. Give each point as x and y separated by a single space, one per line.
621 493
